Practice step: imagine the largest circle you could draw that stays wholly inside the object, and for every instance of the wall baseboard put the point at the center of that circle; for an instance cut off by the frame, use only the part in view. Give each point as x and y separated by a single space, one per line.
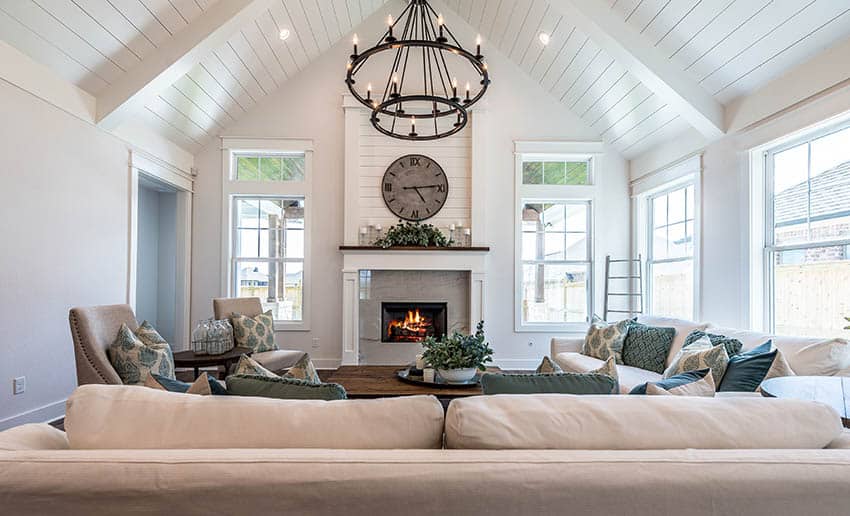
327 363
43 414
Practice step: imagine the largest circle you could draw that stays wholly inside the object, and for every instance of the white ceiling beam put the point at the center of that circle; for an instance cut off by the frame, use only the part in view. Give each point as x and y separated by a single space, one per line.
632 50
139 85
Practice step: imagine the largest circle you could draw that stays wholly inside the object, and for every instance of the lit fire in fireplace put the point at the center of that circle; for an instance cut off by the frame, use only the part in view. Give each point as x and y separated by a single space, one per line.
414 327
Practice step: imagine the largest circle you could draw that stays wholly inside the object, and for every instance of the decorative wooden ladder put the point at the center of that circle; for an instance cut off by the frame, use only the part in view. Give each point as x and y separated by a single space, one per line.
634 271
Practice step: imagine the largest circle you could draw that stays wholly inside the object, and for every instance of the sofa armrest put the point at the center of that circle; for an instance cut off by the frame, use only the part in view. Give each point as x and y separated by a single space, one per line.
842 442
565 344
33 436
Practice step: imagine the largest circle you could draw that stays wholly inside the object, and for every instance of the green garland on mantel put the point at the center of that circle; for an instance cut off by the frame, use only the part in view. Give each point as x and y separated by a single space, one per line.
413 234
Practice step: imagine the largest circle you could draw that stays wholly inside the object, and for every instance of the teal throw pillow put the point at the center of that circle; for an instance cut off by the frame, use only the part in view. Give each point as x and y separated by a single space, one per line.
673 382
746 371
647 347
172 385
136 354
557 383
283 388
733 346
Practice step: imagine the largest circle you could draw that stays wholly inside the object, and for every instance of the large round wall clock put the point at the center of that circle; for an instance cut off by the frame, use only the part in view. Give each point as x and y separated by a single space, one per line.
415 187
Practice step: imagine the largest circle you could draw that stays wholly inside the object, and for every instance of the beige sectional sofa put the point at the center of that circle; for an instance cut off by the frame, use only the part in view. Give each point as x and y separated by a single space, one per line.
131 450
807 356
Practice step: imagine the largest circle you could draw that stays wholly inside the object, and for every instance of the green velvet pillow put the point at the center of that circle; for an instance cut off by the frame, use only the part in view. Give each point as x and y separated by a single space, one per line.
647 347
283 388
557 383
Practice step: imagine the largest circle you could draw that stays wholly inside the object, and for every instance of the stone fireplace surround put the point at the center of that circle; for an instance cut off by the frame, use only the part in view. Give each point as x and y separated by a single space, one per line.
358 335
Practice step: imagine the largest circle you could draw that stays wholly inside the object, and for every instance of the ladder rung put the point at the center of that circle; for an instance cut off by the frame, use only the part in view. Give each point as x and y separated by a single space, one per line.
624 311
618 294
623 277
622 261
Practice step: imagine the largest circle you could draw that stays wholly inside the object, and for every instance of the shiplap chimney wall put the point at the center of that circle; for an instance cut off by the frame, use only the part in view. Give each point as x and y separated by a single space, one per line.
368 154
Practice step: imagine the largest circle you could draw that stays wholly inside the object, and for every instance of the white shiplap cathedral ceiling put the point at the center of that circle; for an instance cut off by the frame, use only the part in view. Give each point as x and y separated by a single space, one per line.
637 71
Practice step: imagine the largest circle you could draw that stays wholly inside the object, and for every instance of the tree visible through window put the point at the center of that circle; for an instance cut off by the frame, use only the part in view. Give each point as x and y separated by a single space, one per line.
808 234
268 167
560 172
268 254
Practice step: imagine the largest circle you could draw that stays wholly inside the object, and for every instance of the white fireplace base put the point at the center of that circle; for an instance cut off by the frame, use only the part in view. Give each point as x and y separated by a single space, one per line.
473 261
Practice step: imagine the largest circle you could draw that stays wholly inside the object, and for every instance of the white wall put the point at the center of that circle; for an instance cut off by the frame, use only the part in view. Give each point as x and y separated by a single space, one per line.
310 106
64 239
725 274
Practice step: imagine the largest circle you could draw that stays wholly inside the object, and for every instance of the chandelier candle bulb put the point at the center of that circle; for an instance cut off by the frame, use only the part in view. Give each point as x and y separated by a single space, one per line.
390 37
467 93
440 23
477 47
355 41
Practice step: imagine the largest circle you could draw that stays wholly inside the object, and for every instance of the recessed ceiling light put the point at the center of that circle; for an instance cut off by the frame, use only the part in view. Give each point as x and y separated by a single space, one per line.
544 38
284 33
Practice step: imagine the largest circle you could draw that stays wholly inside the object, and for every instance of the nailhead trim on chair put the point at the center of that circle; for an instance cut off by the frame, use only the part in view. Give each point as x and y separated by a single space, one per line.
78 345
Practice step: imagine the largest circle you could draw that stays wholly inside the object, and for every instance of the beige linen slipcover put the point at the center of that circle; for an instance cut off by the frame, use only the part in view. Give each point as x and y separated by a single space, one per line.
117 416
559 421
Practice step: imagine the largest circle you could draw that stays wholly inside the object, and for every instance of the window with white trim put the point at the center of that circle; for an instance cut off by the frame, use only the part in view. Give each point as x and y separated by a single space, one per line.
670 252
266 226
554 289
807 234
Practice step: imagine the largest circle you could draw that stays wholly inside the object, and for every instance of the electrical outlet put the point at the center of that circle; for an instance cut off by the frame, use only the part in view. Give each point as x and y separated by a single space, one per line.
315 342
19 385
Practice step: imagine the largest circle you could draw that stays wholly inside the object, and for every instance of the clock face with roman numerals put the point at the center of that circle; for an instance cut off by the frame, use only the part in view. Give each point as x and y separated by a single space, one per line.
415 187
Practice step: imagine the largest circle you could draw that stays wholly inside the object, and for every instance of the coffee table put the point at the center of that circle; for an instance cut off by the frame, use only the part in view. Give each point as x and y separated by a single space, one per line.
195 361
382 382
830 390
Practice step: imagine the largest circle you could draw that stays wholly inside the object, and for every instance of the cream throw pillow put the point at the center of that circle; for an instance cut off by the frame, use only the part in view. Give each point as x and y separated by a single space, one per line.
304 370
700 355
248 365
605 340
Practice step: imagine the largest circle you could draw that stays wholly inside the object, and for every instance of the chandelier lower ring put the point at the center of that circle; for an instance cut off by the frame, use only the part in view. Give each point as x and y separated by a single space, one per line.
381 109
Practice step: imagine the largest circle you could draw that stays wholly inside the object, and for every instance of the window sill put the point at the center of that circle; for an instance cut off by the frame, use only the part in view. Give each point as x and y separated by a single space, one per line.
553 328
283 326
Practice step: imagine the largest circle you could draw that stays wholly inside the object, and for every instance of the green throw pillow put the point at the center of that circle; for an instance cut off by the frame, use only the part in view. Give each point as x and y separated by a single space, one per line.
605 340
256 333
647 347
283 388
135 355
733 346
557 383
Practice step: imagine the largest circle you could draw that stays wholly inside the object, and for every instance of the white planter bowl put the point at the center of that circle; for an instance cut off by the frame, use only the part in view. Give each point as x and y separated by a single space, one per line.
457 375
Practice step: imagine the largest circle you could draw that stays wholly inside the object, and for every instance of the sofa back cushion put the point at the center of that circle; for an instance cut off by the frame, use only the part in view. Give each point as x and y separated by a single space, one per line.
683 329
125 417
807 356
557 421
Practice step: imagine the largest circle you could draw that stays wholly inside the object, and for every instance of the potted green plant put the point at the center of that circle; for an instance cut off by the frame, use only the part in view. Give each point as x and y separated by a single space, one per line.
458 357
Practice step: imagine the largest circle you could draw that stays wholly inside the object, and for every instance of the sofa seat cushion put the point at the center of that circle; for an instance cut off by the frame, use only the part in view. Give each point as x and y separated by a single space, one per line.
628 377
683 329
33 436
560 421
114 416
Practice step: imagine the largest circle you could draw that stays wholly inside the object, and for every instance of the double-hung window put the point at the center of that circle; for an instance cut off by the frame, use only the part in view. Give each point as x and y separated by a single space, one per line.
670 252
807 234
267 199
554 244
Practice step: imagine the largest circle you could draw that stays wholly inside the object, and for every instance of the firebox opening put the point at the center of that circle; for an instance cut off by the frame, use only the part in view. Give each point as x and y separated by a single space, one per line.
412 322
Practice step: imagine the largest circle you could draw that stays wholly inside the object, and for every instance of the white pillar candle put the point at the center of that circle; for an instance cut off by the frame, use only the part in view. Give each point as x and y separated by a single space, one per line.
420 362
428 375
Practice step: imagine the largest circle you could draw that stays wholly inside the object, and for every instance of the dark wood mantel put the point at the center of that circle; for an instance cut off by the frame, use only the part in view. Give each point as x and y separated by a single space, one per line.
434 249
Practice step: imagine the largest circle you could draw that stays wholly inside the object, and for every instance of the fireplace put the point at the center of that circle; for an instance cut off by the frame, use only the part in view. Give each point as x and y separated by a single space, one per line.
413 321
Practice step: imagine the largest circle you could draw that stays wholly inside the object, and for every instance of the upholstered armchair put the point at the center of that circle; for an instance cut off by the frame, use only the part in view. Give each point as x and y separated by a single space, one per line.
94 329
276 361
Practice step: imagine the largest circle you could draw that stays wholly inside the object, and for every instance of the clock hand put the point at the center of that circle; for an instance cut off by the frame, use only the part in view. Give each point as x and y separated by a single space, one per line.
417 187
419 194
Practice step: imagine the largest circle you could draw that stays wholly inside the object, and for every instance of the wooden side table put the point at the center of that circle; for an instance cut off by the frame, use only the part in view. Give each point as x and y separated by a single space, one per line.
830 390
192 360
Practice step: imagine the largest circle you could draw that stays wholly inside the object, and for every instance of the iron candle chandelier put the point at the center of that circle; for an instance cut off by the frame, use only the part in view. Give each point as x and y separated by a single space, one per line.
419 108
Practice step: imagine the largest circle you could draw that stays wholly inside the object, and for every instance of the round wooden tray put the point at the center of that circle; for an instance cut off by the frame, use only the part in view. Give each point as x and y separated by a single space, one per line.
404 375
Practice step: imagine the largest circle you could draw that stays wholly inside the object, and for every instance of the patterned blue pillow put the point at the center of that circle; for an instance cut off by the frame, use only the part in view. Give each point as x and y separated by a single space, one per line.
172 385
647 347
674 381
